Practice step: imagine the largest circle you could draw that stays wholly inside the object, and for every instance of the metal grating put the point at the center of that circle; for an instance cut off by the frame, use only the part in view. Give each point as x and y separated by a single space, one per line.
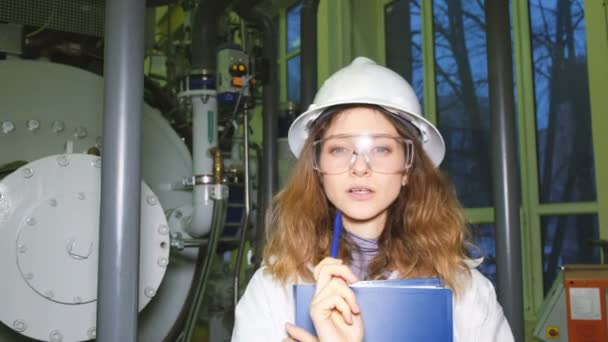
77 16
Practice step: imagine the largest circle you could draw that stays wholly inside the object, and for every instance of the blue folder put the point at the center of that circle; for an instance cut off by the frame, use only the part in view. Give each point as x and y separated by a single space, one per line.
415 309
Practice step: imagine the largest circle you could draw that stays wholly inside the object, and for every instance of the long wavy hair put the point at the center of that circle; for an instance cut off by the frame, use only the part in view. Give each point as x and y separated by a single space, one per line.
425 233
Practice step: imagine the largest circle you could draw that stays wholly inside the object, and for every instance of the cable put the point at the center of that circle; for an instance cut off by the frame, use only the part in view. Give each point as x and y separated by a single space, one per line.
44 26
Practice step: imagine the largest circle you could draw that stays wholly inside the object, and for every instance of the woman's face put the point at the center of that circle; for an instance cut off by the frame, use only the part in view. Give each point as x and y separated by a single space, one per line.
361 194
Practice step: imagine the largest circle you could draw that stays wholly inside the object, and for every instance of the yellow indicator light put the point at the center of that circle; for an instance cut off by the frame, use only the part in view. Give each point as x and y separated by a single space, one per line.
552 332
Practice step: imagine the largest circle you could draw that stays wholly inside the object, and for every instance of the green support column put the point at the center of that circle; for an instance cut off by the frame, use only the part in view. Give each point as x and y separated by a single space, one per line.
531 237
596 20
428 61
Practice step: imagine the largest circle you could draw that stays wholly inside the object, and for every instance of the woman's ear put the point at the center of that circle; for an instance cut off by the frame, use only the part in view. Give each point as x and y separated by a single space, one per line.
404 180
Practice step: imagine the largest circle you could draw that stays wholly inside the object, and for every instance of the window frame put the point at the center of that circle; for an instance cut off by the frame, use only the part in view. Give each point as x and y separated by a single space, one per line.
282 55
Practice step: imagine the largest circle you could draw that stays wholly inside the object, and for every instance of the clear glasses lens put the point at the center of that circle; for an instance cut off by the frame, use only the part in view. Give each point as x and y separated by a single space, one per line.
380 153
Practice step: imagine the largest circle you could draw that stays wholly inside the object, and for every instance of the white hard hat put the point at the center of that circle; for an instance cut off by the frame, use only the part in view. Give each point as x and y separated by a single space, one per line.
365 82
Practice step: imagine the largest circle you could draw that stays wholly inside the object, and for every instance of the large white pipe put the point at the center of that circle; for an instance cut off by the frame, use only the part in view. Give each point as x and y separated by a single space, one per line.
204 136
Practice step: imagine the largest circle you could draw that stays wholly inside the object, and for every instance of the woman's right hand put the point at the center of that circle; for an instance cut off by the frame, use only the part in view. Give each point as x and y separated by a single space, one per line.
334 309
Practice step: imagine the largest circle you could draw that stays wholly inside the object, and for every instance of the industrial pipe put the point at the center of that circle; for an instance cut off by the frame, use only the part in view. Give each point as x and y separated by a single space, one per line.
308 51
118 280
504 165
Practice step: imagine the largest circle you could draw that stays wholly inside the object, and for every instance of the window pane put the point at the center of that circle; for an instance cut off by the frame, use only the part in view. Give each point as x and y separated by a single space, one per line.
403 28
565 240
293 27
462 97
563 127
293 79
484 237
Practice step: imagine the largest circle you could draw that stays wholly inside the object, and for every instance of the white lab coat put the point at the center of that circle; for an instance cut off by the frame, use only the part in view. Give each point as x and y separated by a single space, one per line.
267 305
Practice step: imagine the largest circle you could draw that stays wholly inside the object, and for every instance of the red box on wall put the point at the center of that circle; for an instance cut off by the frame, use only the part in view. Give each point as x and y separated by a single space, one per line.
586 290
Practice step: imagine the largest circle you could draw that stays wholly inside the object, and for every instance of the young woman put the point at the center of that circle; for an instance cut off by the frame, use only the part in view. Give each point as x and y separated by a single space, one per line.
366 153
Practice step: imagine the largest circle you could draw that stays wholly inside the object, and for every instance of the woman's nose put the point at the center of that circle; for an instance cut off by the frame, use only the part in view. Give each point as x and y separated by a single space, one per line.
359 165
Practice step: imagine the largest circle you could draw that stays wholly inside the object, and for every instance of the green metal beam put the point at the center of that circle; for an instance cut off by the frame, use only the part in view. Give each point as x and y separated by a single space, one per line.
574 208
531 237
282 61
596 20
428 62
480 215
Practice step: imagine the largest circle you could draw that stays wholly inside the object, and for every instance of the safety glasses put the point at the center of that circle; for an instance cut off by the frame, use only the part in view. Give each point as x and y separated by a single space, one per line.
381 153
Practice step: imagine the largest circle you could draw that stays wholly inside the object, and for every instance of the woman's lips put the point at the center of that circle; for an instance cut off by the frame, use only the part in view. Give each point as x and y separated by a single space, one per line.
360 193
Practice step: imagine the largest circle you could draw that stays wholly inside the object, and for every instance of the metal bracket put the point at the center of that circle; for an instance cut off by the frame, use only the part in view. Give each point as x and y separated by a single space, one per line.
218 192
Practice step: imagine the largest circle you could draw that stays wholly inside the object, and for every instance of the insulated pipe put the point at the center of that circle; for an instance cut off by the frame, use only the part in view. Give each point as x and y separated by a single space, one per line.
504 162
270 128
204 137
204 34
248 10
308 51
118 280
204 107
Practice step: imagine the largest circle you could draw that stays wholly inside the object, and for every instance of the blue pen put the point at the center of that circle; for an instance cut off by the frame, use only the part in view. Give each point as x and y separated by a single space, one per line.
337 232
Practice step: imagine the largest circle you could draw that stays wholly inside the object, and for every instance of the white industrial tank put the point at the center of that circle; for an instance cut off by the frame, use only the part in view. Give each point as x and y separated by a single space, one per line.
50 131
